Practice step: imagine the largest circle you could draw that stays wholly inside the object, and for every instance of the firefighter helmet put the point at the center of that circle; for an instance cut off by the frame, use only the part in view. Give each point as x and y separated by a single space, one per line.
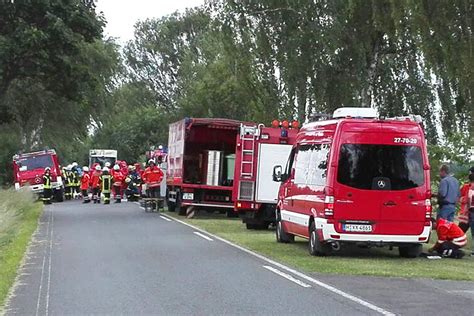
47 169
151 161
106 169
116 167
107 164
85 169
74 164
69 167
97 168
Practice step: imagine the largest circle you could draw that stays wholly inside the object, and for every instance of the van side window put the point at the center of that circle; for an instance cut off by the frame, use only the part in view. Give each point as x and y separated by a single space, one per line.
311 164
318 164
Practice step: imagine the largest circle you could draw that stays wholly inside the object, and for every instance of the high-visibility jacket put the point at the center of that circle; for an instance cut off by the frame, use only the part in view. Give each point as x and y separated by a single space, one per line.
449 231
106 183
95 179
75 178
153 176
70 179
119 177
47 181
85 181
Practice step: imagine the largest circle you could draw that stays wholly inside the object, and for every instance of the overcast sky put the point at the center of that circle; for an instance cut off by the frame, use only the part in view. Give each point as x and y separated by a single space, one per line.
121 15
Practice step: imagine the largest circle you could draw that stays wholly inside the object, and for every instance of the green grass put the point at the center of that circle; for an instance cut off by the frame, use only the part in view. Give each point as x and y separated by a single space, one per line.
18 220
356 261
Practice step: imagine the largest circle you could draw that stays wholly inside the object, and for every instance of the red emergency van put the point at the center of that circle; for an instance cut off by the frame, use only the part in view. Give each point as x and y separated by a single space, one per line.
258 149
356 179
200 166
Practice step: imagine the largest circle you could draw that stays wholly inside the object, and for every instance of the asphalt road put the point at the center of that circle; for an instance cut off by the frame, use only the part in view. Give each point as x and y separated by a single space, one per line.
117 259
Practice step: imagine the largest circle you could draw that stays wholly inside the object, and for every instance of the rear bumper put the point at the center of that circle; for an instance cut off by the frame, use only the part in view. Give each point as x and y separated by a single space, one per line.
330 234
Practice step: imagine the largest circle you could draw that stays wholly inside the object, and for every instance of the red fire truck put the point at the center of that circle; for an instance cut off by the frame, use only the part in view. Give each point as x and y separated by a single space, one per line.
259 148
200 165
28 170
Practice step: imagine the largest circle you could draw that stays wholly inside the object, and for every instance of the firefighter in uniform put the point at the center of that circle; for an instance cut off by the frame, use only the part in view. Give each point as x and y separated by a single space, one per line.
68 183
85 183
95 184
451 239
47 186
153 177
133 181
119 178
106 184
76 180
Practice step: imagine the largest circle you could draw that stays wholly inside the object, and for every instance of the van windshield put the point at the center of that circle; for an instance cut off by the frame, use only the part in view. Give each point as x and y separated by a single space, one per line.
35 162
360 164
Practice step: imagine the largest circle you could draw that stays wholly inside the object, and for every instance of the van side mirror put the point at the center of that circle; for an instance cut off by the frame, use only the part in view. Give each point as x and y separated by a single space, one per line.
277 173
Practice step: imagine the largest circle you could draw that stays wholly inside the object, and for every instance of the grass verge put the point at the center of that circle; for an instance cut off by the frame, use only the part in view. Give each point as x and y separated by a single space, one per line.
18 220
353 261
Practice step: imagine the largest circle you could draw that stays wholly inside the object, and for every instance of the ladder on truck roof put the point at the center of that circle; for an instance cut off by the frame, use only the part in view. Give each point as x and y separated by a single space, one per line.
248 135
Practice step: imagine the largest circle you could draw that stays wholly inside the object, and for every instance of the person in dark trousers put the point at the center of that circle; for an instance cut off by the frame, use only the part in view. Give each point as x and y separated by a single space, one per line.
119 178
68 183
47 186
448 194
85 184
106 184
95 184
450 239
153 177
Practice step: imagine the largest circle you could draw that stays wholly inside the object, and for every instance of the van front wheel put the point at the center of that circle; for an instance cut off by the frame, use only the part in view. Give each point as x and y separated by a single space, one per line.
410 251
315 246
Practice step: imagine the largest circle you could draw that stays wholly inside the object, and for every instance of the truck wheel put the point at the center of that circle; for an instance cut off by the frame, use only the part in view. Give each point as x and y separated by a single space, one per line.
181 210
171 205
315 246
410 251
282 236
231 213
59 195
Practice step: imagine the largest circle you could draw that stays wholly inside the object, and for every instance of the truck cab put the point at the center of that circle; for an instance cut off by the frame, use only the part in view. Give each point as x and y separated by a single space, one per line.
356 179
28 170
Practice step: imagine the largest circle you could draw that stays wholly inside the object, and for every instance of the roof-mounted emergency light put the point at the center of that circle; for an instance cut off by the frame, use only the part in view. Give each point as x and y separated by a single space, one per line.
355 112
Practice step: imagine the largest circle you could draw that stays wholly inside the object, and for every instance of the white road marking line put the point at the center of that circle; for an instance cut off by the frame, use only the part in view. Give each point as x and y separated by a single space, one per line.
203 236
165 218
287 276
295 272
40 289
49 265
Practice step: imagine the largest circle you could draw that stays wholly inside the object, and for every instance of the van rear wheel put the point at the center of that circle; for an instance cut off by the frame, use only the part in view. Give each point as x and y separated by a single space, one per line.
315 246
410 251
282 236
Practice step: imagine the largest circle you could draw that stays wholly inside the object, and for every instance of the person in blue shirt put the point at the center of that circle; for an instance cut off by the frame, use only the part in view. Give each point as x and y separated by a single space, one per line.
448 194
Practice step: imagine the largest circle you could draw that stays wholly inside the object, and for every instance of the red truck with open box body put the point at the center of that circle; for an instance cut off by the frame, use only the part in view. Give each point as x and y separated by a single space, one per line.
200 164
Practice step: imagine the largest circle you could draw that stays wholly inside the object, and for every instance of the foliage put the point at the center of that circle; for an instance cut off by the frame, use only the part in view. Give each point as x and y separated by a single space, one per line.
55 74
18 220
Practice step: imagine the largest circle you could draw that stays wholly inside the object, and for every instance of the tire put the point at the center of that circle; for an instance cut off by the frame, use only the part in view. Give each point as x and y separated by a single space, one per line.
315 246
231 213
281 235
179 208
410 251
59 195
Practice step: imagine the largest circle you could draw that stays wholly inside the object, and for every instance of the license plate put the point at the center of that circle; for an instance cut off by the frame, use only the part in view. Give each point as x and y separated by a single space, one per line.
357 228
188 196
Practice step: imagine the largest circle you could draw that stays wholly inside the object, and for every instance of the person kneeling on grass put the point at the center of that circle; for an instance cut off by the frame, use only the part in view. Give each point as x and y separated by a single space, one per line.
451 239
